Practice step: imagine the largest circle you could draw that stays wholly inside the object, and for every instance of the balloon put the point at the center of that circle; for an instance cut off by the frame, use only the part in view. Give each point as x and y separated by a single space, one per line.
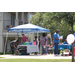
70 38
74 27
31 37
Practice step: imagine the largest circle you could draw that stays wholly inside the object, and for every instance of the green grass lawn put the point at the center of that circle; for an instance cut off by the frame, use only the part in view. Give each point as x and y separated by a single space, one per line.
35 60
1 57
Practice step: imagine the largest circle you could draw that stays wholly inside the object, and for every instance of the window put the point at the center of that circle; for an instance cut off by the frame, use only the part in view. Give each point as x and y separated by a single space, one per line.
13 20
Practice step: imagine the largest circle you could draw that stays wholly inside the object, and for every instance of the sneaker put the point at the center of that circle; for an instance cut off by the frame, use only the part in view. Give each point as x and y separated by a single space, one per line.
59 54
55 54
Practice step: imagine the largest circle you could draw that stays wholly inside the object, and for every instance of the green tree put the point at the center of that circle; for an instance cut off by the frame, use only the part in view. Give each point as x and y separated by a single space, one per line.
55 20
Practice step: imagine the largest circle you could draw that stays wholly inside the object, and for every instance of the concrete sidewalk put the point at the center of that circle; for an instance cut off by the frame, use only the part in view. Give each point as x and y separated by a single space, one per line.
48 56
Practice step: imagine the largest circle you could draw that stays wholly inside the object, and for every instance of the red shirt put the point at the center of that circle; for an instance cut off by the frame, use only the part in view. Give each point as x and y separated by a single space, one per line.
24 39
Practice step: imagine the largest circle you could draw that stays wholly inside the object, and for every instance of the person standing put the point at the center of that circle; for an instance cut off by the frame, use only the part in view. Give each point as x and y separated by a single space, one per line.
56 42
23 39
36 43
36 40
39 43
43 43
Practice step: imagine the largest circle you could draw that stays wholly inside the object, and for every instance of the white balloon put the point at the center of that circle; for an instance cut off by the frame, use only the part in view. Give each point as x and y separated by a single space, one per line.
70 38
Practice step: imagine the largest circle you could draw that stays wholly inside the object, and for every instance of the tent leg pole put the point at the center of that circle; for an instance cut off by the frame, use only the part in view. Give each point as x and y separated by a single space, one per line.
37 42
5 43
16 38
37 35
50 38
28 37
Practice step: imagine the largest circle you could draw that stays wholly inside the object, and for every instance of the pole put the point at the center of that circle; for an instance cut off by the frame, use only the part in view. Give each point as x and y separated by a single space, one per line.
29 37
73 48
17 36
72 52
73 60
73 42
50 38
37 41
5 43
37 35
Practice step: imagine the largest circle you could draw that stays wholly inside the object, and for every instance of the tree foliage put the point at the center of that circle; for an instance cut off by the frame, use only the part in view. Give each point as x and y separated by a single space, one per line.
55 20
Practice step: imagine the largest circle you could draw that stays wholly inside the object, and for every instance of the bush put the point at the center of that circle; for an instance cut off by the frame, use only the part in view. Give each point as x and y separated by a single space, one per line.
1 53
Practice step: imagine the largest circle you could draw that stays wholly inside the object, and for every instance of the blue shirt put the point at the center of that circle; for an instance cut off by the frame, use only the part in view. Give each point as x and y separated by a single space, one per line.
65 43
56 35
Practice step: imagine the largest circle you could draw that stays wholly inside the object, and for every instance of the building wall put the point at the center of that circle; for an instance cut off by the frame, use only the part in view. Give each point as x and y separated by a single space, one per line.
19 16
25 16
7 16
1 29
7 19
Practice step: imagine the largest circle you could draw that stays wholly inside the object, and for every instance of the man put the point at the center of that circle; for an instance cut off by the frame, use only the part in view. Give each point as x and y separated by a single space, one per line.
65 42
56 42
14 46
23 39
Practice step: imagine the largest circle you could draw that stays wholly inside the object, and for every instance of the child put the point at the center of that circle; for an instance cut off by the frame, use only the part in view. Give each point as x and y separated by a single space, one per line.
66 53
50 48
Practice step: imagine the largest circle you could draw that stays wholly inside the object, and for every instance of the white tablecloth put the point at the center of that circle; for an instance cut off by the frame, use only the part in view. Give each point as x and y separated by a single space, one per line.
30 48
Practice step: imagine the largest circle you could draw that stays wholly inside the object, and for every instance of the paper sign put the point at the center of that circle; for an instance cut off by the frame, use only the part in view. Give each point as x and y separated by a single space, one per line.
70 38
61 37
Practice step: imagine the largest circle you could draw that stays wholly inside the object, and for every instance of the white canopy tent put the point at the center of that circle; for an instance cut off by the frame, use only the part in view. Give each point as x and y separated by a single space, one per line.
26 28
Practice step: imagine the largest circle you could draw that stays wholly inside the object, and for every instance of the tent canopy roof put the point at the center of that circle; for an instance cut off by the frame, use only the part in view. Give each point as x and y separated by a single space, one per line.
28 28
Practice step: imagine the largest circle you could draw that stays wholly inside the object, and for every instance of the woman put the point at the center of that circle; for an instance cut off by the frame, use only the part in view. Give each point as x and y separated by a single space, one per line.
43 43
39 43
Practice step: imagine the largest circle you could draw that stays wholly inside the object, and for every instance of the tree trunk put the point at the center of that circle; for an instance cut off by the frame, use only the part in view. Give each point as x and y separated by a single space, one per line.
72 28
